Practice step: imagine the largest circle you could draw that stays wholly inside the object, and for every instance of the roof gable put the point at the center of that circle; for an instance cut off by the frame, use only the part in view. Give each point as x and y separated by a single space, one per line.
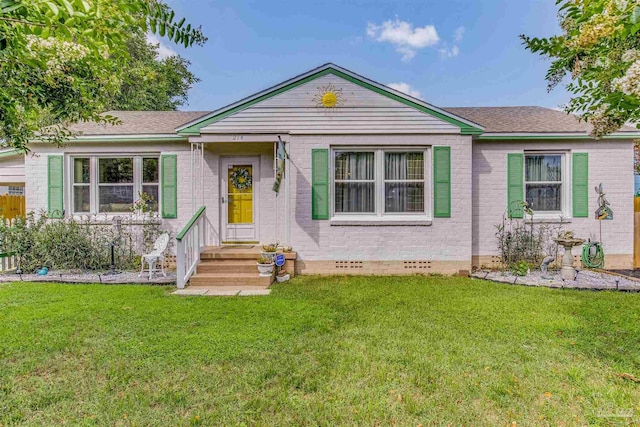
466 127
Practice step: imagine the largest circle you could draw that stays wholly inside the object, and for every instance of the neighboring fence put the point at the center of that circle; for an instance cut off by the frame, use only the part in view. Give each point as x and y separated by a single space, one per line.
12 206
636 232
7 262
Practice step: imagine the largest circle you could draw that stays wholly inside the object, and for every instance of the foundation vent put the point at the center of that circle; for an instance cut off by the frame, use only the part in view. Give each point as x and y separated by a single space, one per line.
348 265
417 265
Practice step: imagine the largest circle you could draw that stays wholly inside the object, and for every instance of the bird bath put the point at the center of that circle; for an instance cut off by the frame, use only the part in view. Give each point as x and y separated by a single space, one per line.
568 242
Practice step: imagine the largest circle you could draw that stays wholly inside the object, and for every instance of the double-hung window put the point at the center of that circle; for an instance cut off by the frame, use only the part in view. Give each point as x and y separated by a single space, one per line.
543 179
380 182
113 184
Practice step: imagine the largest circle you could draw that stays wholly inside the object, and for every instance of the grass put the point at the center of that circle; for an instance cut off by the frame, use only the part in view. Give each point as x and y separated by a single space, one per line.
319 351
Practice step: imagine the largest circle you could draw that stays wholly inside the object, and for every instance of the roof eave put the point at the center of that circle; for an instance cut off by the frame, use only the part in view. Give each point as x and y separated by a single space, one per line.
125 138
554 135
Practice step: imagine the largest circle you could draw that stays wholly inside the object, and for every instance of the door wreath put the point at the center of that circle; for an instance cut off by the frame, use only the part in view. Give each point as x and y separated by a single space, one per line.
241 179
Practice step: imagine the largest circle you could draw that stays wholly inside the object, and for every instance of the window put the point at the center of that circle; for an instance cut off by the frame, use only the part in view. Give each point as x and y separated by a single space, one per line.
404 182
15 191
151 181
81 186
543 177
113 184
379 182
355 182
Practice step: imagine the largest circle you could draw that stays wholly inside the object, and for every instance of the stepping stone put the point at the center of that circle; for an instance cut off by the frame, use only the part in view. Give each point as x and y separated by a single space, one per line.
254 292
191 292
221 293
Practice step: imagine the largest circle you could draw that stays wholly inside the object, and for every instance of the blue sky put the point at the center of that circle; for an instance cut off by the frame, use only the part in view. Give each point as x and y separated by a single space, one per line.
450 52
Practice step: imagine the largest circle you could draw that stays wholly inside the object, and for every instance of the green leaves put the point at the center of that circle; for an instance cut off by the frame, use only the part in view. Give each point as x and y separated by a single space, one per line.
596 36
44 85
161 21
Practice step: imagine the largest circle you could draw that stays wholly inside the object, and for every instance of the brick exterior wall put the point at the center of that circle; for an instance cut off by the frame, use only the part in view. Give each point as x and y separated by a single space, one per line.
447 245
207 190
610 163
446 239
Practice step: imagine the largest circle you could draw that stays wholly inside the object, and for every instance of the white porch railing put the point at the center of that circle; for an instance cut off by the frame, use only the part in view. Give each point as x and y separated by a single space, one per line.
191 241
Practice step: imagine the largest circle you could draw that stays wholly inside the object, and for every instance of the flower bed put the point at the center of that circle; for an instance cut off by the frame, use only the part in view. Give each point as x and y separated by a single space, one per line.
585 279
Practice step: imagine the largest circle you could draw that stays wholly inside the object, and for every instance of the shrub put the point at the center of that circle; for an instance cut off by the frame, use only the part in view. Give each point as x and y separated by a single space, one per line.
71 244
528 242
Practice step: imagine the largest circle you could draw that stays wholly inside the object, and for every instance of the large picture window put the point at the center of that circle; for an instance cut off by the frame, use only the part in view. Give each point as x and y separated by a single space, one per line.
378 182
543 178
113 184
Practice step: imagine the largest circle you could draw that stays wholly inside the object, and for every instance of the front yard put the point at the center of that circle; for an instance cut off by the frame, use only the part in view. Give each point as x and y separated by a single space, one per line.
320 351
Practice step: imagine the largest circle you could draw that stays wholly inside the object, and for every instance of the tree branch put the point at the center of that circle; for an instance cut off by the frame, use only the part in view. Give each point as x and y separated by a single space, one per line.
20 21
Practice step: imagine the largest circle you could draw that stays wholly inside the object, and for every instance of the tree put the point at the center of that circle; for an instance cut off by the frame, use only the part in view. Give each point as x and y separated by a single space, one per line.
63 61
600 50
152 83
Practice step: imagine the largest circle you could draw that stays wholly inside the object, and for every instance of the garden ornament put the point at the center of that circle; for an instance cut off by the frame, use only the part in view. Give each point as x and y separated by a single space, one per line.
604 211
544 267
43 271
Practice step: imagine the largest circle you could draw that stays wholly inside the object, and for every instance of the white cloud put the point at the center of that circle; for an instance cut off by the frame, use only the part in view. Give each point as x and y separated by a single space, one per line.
449 53
407 39
163 50
458 34
405 88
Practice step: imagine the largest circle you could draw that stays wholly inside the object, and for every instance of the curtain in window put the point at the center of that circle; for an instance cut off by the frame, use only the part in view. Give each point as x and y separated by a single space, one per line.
354 182
544 168
543 176
407 196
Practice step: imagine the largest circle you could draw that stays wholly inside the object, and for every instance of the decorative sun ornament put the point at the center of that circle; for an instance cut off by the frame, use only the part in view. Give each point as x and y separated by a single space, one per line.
328 97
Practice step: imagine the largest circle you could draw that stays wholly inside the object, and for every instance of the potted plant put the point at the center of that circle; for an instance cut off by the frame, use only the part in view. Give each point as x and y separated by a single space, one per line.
265 266
269 251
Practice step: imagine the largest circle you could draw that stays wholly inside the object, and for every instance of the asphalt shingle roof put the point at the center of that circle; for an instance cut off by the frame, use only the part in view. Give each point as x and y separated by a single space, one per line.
494 119
524 120
140 123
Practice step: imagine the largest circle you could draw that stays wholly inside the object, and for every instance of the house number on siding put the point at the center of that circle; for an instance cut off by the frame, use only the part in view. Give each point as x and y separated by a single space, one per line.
238 137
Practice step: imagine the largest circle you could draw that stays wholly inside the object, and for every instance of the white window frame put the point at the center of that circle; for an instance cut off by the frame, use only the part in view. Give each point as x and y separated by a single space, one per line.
565 184
380 215
94 184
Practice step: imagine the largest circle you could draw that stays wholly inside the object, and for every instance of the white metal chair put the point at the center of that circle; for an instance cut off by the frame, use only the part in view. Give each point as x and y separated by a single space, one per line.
155 256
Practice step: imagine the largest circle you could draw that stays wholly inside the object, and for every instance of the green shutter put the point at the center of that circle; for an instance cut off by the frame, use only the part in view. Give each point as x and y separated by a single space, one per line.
55 186
169 186
442 182
320 183
515 185
580 185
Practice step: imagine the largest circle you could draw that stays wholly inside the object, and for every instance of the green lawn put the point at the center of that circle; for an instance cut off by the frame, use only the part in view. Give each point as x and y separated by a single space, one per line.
319 351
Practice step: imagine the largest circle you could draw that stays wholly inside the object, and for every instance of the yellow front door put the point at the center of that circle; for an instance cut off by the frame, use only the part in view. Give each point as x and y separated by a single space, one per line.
240 194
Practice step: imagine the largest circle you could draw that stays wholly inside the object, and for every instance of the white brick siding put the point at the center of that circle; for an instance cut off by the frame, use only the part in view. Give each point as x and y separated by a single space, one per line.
478 196
446 239
610 163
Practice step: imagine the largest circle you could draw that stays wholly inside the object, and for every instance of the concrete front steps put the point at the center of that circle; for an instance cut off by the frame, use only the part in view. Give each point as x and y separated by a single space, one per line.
230 268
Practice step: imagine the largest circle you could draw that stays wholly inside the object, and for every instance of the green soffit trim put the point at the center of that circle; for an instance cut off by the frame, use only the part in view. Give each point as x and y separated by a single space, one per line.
630 135
194 129
10 153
